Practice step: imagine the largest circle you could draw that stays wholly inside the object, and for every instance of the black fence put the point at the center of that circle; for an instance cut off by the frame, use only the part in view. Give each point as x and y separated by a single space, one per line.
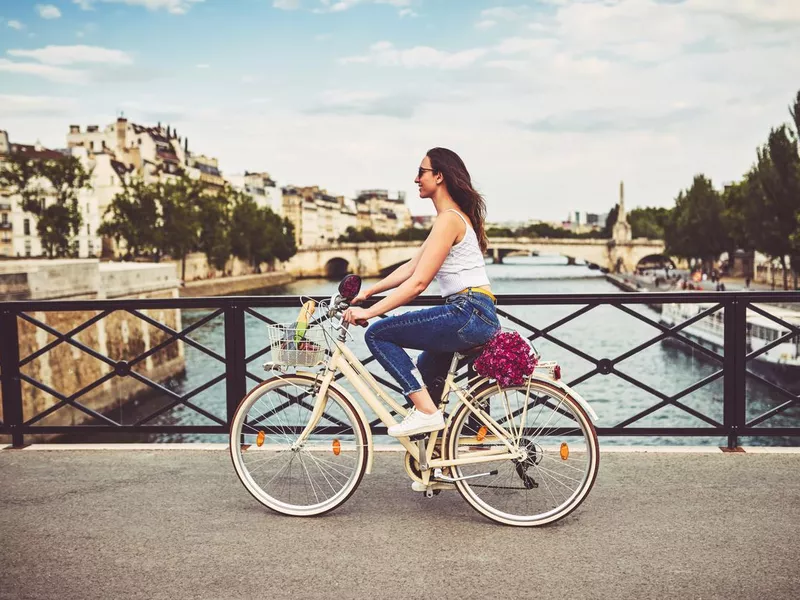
732 358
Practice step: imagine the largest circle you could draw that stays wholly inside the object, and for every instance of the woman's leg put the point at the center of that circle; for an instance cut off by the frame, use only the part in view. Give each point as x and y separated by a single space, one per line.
433 367
427 329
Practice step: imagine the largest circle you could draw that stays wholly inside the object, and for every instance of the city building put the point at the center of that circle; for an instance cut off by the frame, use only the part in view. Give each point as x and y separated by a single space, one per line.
261 188
375 209
18 235
319 218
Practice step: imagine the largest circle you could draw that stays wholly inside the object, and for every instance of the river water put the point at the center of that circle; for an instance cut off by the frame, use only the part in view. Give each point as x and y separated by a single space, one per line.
603 332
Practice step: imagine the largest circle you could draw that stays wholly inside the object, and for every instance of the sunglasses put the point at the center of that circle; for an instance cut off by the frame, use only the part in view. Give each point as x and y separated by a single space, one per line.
421 171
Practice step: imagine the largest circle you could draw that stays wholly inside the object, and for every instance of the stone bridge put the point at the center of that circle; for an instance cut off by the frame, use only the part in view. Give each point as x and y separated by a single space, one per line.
615 256
376 258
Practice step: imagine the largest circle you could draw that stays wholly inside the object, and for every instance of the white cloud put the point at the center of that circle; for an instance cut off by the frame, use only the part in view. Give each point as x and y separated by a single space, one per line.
772 11
504 13
68 55
286 4
385 54
407 12
343 5
485 24
18 105
48 11
49 72
202 66
14 24
175 7
249 78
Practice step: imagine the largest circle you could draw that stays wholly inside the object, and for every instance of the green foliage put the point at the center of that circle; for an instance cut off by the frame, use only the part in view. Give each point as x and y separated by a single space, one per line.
182 216
412 234
368 234
608 228
695 226
499 232
134 217
649 222
214 227
49 190
775 197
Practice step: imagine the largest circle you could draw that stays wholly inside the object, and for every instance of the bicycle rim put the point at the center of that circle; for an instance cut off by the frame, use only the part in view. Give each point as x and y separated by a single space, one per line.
560 443
297 479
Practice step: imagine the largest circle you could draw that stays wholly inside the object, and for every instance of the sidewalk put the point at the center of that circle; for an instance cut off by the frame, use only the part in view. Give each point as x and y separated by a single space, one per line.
178 524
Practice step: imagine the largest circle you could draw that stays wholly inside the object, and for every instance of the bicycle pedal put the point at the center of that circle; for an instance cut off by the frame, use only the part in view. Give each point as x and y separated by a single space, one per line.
419 437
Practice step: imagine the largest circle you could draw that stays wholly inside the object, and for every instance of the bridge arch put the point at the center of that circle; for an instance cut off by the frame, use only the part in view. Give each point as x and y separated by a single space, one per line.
336 268
656 261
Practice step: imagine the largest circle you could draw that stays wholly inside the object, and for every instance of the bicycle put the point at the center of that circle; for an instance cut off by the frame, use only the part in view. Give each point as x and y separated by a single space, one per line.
300 443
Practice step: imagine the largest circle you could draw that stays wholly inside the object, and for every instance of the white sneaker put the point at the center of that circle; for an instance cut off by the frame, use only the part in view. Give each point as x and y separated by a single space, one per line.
417 422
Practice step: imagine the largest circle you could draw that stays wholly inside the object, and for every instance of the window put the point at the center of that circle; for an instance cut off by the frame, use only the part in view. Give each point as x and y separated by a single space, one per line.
87 230
5 218
27 247
26 227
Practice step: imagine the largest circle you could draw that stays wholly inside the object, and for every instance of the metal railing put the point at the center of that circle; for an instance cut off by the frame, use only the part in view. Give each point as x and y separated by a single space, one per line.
731 364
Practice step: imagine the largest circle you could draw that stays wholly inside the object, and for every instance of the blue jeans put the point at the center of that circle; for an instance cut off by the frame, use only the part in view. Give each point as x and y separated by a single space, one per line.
465 320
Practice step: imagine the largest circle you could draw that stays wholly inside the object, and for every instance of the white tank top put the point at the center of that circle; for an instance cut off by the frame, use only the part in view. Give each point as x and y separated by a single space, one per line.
464 265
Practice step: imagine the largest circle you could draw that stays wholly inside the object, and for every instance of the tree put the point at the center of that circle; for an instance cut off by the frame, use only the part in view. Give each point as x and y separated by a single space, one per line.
134 217
258 235
179 228
775 197
49 190
412 234
611 219
499 232
648 222
695 230
214 226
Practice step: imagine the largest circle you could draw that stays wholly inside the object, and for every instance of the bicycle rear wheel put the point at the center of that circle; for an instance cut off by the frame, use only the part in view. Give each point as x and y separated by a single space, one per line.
305 479
561 454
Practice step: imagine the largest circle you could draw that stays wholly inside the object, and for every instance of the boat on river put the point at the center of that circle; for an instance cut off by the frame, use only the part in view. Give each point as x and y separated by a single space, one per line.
779 363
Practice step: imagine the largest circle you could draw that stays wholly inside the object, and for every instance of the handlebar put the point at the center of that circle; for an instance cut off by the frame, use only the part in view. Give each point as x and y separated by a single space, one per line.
338 305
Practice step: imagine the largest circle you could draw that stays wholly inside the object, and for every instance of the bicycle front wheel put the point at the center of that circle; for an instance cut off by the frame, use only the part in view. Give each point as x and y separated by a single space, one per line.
561 454
291 477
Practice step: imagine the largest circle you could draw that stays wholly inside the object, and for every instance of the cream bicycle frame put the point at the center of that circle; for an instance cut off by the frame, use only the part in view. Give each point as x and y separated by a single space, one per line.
345 361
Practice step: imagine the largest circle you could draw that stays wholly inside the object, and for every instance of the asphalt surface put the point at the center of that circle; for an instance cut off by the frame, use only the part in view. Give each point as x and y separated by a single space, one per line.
178 524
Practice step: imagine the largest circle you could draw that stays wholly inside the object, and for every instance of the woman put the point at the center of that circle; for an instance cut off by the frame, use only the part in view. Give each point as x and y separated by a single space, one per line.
453 255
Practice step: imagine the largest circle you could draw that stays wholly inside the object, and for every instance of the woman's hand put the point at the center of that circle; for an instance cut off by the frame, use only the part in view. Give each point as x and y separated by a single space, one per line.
357 316
362 295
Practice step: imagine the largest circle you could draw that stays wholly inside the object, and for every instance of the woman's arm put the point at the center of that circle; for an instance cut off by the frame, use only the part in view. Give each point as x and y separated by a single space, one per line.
429 259
396 277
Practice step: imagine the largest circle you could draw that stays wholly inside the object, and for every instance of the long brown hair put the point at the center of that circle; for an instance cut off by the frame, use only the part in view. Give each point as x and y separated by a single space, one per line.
459 184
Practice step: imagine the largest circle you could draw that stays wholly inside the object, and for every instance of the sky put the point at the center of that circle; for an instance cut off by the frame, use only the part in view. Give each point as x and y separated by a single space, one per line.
550 103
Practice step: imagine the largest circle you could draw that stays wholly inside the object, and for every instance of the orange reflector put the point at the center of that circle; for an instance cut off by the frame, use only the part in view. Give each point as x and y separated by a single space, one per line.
564 452
260 439
481 433
337 447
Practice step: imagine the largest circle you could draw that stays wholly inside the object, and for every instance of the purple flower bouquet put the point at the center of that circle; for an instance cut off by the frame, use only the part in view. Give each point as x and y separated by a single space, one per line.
507 358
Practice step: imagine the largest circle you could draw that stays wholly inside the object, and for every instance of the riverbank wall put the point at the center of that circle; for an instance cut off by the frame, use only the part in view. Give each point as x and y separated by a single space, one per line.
65 368
234 285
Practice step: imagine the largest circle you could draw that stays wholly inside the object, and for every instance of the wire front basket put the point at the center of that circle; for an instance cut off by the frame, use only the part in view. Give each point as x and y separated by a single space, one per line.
297 346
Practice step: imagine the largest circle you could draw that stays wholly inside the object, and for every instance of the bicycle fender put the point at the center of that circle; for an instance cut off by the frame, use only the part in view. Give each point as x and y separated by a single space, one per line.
356 407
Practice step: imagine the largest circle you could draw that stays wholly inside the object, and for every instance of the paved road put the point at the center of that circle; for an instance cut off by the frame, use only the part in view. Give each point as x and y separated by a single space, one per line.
178 524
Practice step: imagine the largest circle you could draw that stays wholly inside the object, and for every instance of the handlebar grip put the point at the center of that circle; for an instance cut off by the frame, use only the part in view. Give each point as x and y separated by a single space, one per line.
362 322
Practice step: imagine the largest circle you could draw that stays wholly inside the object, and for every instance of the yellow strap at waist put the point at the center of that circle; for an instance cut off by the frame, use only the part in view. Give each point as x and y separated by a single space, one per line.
480 291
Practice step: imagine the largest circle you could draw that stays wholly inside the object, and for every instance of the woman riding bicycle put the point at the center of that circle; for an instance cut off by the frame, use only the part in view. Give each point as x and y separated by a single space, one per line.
453 255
